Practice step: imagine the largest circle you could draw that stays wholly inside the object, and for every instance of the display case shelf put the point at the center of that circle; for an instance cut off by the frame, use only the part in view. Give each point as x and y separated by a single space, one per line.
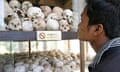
30 35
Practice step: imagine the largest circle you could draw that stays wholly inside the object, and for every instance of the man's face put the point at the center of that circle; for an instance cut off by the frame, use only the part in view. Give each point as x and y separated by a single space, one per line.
85 31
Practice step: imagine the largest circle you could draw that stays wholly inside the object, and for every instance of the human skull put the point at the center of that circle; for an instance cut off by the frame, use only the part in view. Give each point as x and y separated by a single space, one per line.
64 26
46 10
27 25
59 64
15 4
35 12
39 24
38 69
68 15
26 5
58 11
8 68
52 16
52 24
20 13
7 10
14 24
46 64
20 68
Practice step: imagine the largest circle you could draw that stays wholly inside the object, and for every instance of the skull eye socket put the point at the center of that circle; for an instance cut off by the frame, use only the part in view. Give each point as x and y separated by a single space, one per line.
35 22
52 18
12 23
15 25
67 16
9 16
62 25
15 7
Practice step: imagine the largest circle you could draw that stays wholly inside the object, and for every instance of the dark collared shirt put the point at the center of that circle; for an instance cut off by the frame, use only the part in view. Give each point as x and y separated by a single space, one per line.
108 58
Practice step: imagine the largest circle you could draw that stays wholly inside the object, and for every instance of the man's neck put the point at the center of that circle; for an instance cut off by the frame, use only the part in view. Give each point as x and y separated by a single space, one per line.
98 43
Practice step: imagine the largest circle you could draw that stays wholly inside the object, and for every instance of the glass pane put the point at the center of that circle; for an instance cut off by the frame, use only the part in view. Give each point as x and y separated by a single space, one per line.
18 47
4 47
6 57
30 55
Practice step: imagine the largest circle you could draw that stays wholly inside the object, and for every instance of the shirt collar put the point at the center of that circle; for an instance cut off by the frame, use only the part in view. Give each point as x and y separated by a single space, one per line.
111 43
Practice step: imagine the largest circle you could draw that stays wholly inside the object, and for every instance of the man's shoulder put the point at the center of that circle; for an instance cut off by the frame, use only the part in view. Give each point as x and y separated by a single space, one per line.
111 53
110 60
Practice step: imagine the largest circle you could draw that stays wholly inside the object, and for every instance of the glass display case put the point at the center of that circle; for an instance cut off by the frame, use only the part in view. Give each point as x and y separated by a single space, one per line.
29 31
16 54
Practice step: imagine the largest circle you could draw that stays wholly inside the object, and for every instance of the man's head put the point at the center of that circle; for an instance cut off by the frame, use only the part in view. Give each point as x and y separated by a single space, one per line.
100 18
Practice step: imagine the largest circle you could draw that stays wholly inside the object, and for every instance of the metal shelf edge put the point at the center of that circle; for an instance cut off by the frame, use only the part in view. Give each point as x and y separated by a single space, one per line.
30 35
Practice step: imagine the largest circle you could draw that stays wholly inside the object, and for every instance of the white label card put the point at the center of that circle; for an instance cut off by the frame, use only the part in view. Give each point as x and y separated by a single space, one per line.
49 35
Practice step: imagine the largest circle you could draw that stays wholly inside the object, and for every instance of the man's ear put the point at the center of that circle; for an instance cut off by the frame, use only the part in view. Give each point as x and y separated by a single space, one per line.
98 29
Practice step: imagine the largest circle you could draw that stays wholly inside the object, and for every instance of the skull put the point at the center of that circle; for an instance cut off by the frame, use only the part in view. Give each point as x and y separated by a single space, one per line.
26 5
58 11
68 15
64 26
27 25
35 12
39 24
46 10
14 24
15 4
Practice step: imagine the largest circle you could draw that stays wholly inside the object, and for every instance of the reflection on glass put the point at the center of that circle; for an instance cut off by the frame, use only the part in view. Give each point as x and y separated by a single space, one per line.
65 51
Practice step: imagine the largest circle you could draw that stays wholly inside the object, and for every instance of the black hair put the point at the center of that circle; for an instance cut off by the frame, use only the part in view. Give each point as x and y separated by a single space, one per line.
105 12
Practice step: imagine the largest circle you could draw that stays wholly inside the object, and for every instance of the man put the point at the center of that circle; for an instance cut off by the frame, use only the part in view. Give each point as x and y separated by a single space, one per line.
101 27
